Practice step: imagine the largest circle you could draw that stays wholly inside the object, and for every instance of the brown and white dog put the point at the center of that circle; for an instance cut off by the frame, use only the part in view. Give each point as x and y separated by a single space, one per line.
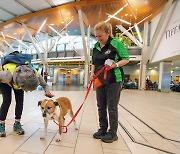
56 110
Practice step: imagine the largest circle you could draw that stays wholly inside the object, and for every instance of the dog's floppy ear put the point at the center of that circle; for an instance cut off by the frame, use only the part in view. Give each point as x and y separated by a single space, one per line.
56 103
39 103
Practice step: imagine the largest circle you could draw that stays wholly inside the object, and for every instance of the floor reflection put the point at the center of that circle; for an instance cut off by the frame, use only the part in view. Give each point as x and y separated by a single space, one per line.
65 88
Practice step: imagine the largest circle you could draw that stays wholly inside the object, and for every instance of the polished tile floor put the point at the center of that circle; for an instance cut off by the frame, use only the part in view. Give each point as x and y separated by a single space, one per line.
149 123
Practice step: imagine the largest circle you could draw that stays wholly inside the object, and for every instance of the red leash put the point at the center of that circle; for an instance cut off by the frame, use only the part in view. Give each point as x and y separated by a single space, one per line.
105 69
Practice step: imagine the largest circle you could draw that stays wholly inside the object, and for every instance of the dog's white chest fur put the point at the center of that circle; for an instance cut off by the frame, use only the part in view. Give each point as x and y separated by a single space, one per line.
54 115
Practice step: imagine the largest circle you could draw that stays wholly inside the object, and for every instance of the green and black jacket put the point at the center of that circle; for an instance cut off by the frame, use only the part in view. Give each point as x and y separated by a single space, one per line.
115 50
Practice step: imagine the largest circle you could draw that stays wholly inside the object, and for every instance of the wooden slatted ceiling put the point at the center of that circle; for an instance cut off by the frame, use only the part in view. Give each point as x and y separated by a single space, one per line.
94 10
140 8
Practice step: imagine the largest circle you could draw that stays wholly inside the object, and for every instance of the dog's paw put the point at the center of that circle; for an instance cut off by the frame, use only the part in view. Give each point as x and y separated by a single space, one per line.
58 140
42 137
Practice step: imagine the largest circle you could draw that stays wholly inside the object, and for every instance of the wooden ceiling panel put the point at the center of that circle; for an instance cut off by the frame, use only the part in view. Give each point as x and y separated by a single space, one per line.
139 9
93 12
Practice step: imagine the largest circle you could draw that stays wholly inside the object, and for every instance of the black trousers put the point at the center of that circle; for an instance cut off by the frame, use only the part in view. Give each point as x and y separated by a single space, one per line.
6 91
107 101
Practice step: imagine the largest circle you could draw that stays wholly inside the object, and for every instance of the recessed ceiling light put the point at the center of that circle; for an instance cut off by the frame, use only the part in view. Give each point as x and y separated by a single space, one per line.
155 67
176 67
51 24
126 14
150 68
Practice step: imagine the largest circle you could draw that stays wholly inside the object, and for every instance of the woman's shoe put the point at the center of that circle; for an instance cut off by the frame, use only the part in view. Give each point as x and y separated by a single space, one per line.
99 134
2 130
18 128
109 137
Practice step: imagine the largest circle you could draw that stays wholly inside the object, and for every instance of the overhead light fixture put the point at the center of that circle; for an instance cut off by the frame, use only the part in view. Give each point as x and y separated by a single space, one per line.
17 40
69 22
3 35
11 37
119 19
65 27
137 24
41 26
116 13
138 32
55 31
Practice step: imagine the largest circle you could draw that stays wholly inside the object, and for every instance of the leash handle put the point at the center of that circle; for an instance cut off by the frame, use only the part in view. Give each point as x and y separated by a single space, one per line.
105 72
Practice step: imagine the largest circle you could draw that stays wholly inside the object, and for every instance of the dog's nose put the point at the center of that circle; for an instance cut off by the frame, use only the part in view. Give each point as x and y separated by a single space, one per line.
44 114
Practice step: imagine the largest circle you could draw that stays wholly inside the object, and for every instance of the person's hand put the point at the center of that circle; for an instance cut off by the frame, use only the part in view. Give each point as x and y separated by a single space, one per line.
113 65
48 94
92 76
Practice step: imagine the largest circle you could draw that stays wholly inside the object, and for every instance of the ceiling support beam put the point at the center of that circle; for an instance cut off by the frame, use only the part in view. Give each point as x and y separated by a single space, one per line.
137 23
165 16
83 36
86 66
5 48
84 17
35 29
131 9
143 66
130 36
56 41
34 43
55 9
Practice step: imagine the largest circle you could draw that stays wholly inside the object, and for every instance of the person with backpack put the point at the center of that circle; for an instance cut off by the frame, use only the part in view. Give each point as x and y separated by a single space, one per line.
16 74
110 52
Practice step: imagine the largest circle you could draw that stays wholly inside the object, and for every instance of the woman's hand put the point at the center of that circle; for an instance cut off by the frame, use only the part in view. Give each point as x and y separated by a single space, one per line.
92 76
114 65
48 94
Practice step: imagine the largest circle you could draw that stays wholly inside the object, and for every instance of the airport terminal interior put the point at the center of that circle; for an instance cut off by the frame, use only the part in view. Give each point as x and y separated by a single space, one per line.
59 37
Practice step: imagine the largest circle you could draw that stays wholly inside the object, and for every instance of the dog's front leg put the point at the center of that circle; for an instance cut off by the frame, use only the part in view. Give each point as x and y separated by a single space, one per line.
45 129
60 120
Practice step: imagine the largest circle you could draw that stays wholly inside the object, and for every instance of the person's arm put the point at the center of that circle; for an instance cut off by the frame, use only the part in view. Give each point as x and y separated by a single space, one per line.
45 86
6 76
122 52
120 63
92 71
